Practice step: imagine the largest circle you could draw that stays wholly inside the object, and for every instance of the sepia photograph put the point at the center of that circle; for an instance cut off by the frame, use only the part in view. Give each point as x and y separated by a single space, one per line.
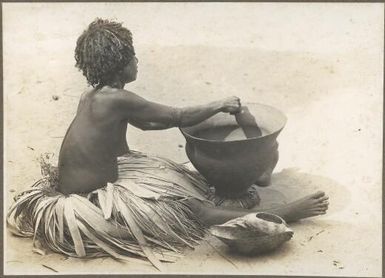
215 138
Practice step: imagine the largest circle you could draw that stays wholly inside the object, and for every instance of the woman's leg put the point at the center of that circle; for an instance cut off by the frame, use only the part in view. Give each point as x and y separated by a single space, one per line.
311 205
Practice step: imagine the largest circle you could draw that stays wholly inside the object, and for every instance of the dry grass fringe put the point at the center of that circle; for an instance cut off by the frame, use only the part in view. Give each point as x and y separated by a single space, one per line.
114 220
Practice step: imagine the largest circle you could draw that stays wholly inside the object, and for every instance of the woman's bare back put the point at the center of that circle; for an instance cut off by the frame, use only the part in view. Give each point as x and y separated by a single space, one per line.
88 155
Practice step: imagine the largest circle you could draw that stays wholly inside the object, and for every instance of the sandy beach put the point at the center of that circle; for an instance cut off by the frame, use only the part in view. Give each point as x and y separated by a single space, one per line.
321 64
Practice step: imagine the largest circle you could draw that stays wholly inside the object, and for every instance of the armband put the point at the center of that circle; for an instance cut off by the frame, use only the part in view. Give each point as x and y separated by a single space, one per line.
176 116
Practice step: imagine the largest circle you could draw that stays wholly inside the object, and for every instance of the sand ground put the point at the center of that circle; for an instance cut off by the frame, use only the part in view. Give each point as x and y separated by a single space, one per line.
321 64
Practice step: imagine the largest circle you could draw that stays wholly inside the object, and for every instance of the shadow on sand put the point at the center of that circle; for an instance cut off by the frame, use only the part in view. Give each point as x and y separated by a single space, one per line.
291 184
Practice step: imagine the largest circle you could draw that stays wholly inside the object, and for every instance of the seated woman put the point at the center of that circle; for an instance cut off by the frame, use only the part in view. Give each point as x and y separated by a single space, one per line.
107 199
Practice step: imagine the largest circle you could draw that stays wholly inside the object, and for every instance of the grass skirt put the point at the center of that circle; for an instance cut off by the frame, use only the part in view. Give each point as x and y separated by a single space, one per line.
142 214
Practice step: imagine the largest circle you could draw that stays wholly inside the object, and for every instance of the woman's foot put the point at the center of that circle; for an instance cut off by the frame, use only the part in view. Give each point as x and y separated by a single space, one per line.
311 205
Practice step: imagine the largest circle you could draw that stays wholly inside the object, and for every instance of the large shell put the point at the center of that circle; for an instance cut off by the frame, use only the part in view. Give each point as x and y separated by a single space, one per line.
253 233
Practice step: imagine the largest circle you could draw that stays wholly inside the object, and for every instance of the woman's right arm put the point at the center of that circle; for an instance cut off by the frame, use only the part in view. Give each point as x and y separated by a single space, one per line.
135 108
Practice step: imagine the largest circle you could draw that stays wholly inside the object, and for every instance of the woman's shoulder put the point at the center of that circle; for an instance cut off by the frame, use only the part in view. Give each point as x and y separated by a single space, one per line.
115 98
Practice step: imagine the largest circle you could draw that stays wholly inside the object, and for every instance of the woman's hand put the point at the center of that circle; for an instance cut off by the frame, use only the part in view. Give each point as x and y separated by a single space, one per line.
231 105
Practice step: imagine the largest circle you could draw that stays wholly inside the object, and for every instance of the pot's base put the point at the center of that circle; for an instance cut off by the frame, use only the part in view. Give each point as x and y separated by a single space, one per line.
247 200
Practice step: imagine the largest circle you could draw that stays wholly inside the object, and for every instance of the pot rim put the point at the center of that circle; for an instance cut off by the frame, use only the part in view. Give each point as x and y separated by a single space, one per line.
240 140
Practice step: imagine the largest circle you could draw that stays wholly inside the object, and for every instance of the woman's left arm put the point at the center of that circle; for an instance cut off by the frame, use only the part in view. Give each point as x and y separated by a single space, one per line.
136 109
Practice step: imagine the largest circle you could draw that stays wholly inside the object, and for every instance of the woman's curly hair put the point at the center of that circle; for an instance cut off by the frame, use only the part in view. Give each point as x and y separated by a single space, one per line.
104 48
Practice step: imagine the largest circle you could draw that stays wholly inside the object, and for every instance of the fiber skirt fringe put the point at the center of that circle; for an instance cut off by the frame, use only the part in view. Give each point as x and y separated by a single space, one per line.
142 214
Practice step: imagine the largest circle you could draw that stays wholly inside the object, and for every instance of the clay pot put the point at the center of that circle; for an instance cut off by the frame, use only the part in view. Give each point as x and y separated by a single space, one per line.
254 233
233 166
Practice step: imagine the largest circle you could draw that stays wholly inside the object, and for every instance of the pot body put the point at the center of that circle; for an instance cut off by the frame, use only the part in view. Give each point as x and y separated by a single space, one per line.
233 166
